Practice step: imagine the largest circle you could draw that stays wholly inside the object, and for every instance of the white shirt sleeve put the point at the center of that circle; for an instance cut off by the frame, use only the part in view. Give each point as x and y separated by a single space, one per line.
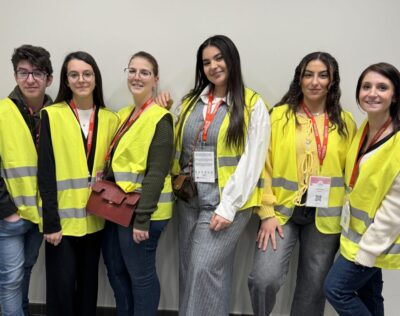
385 229
244 180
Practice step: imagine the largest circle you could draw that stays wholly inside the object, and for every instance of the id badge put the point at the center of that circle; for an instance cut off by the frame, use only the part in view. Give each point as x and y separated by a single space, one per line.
318 191
345 218
203 165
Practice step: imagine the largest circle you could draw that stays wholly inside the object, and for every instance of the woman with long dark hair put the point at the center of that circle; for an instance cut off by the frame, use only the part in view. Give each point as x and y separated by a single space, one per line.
303 193
74 137
370 239
222 136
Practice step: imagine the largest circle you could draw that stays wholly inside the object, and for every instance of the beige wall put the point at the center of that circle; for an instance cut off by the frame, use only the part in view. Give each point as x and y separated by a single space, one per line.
272 36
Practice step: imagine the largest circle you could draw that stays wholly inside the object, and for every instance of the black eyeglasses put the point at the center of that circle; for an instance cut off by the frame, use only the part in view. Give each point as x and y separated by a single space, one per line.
23 74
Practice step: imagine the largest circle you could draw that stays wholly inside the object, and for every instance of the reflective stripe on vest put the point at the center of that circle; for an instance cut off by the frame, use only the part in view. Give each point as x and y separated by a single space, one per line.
73 182
18 162
227 158
284 171
129 161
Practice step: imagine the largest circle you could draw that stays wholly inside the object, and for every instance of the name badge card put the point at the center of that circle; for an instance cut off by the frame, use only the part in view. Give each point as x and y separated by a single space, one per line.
204 169
318 191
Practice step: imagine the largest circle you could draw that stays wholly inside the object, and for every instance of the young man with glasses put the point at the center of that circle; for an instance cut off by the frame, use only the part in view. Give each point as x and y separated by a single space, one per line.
20 238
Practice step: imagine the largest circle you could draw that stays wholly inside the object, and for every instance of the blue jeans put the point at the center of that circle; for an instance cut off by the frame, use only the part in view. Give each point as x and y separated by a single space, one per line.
354 290
33 241
131 268
12 239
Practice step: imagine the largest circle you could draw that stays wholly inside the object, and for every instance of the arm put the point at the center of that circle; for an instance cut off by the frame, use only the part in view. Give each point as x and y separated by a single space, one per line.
158 165
381 234
243 181
48 184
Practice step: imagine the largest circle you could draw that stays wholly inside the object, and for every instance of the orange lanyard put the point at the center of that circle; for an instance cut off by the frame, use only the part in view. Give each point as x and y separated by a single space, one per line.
89 140
320 147
356 166
210 114
127 124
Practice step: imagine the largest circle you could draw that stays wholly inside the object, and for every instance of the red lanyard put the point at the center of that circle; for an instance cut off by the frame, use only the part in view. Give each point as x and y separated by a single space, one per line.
127 124
356 166
321 148
210 114
89 140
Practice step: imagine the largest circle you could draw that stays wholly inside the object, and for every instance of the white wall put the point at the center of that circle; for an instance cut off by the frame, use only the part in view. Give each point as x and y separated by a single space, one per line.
272 36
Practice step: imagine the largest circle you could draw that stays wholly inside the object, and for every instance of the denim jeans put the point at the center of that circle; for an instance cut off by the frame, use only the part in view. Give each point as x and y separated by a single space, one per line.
353 289
131 268
316 254
33 241
12 265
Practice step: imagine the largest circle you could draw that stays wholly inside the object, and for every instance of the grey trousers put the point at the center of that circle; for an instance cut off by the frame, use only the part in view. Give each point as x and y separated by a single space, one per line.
206 260
270 268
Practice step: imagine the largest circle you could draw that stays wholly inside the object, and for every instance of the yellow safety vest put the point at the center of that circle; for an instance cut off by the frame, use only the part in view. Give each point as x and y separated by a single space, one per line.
284 169
227 158
129 162
72 174
376 176
18 160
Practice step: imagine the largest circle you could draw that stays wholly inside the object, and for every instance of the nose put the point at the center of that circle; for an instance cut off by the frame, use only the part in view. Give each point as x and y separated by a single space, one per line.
372 92
213 64
314 80
30 77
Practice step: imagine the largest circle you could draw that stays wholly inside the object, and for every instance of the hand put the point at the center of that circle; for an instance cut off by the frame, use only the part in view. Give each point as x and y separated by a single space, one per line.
218 223
12 218
164 99
267 231
139 235
53 238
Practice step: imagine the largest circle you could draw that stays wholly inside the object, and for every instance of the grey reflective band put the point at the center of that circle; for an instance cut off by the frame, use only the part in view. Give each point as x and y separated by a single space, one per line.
361 215
20 172
72 213
284 210
355 237
335 211
128 177
286 184
228 161
72 184
337 182
166 197
24 200
260 183
177 154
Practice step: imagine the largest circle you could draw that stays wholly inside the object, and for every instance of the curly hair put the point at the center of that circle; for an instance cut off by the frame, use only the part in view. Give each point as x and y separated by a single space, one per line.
294 96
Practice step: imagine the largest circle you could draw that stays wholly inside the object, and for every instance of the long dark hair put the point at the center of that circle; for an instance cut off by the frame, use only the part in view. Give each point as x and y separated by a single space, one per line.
390 72
65 93
235 88
294 96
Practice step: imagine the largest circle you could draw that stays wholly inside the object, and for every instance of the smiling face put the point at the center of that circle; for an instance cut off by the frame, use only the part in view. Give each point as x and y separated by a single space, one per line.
376 93
32 87
81 78
315 82
141 78
215 68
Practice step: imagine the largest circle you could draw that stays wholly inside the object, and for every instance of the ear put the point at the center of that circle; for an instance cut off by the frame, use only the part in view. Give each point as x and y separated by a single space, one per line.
49 80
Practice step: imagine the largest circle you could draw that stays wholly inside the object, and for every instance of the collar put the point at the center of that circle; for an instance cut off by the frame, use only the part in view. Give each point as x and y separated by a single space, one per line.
204 96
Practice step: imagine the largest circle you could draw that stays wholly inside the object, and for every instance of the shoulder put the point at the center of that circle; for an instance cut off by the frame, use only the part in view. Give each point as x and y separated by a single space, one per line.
108 112
56 107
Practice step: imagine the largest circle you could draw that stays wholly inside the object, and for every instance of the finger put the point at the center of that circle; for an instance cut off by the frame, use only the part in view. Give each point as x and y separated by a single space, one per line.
260 239
280 231
273 241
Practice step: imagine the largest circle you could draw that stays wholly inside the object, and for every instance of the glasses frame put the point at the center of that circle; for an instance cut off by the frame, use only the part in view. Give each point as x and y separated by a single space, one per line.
138 73
80 75
28 73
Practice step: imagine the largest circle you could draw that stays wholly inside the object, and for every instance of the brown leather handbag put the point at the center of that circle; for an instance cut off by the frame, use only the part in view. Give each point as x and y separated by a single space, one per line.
108 201
184 187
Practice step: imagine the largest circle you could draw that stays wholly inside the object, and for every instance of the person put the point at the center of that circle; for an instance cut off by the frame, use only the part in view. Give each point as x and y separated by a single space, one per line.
303 193
20 238
225 127
74 136
139 160
370 239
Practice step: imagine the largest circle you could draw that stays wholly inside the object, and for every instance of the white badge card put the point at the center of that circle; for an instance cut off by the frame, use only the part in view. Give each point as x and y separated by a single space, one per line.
345 218
318 191
203 165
